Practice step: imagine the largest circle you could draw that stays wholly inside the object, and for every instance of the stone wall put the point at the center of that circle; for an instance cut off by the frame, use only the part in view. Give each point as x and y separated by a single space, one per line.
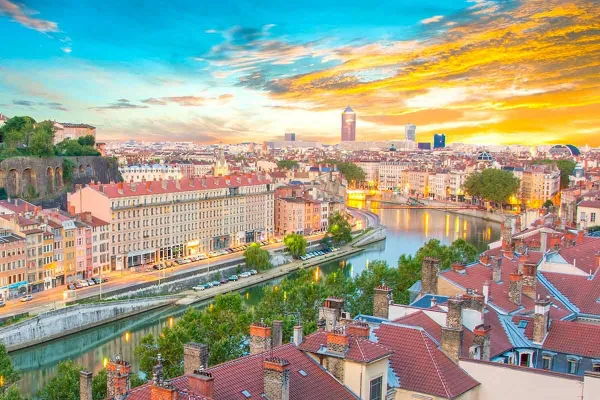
64 321
21 176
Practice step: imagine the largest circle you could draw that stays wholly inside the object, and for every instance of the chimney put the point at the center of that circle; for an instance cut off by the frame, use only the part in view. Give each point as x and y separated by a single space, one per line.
298 335
195 357
359 329
204 181
580 236
515 289
529 279
177 184
260 338
430 269
276 379
381 301
331 312
201 383
117 377
521 262
483 342
337 342
497 270
452 333
543 240
157 372
541 320
85 385
486 291
484 259
277 334
163 392
133 186
433 301
459 267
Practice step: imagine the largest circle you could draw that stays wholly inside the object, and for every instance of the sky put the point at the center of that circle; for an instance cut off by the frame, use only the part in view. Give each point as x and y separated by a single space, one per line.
480 71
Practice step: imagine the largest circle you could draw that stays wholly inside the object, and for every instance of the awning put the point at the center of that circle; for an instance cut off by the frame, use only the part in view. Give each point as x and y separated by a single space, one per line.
14 285
140 252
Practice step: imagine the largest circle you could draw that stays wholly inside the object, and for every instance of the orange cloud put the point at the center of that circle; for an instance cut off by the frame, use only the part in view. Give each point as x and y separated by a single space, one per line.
25 17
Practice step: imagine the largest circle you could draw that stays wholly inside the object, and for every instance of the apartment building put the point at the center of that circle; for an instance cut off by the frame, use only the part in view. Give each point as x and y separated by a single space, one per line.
289 215
13 264
161 220
66 130
371 169
538 184
391 175
100 243
154 172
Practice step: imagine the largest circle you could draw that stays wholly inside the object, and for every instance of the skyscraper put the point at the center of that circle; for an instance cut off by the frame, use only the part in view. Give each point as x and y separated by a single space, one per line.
290 137
410 132
439 141
348 125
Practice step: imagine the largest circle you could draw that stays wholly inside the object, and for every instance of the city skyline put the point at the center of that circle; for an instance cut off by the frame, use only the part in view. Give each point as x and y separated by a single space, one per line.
480 71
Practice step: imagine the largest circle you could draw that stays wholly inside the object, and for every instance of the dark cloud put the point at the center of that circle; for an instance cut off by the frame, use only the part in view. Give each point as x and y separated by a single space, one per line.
258 80
121 104
154 101
32 104
25 103
243 36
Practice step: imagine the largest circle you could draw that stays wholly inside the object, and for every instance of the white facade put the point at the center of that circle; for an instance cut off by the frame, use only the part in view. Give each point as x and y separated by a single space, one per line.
155 172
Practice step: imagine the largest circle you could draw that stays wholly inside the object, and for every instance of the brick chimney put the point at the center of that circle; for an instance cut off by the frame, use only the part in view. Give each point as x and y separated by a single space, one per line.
298 335
597 259
331 312
277 333
201 383
487 291
337 341
452 333
85 385
483 342
521 262
580 236
164 391
359 329
117 377
497 269
529 279
541 320
484 259
260 338
276 379
195 357
515 289
430 269
459 267
164 184
381 301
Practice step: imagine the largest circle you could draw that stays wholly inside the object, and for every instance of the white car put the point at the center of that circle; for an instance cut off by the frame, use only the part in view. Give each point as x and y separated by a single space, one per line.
199 288
27 298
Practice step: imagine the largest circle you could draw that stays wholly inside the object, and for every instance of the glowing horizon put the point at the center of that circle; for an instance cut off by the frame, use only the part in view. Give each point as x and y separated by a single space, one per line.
480 71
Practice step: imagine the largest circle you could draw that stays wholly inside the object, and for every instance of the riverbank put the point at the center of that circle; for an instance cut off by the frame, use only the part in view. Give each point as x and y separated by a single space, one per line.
475 213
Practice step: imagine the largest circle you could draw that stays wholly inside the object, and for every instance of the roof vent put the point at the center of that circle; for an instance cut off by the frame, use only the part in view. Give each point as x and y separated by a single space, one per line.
302 372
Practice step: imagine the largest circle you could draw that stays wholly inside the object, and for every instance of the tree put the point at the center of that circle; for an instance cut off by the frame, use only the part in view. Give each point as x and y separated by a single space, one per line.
296 244
88 140
65 385
7 370
68 170
352 172
566 168
70 147
548 204
11 393
41 143
99 385
339 230
491 184
257 258
287 164
23 125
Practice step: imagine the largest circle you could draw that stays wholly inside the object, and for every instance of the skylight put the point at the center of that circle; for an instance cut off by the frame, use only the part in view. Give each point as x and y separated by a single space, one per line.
523 324
302 372
246 394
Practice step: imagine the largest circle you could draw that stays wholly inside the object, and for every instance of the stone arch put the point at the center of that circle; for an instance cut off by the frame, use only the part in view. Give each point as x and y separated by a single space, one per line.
50 180
88 170
13 182
58 178
29 178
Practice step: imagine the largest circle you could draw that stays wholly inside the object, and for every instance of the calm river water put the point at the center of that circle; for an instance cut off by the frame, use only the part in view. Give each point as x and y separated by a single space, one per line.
407 230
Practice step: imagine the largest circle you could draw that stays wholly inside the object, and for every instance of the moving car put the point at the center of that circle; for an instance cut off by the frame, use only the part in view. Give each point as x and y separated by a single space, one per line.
27 298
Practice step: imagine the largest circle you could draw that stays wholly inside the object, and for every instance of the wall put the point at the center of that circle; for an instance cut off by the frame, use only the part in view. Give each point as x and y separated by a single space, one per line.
525 383
402 394
64 321
358 376
446 288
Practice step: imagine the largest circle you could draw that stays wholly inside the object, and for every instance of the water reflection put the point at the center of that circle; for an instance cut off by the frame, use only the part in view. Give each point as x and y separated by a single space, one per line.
407 230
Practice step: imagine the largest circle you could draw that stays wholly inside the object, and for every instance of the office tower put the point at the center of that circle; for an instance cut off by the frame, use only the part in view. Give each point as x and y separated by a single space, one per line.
348 125
424 146
410 132
290 137
439 141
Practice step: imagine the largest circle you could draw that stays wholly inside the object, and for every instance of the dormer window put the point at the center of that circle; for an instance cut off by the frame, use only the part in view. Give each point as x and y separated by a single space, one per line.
596 365
547 360
572 364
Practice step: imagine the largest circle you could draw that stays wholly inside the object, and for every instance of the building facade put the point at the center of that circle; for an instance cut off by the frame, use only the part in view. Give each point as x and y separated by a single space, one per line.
154 172
13 263
439 141
348 125
410 132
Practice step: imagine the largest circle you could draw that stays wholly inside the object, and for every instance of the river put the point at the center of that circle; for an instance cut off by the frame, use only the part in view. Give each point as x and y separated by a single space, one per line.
407 230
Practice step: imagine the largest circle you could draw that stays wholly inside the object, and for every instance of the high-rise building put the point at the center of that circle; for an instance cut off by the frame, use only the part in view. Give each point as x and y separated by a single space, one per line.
439 141
348 125
410 132
424 146
290 137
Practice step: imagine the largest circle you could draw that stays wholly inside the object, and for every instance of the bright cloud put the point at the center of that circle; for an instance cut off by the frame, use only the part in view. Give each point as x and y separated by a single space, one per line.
432 20
26 17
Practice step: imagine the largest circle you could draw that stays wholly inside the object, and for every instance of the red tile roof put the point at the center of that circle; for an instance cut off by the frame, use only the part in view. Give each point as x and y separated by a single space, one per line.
185 185
528 331
579 290
246 373
420 366
576 338
589 203
359 349
583 255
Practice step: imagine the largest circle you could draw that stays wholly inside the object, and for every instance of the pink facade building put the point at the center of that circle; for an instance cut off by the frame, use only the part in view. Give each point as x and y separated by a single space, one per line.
13 271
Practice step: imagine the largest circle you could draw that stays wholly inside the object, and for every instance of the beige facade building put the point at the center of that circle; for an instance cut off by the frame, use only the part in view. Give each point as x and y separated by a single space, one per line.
162 220
155 172
66 130
538 184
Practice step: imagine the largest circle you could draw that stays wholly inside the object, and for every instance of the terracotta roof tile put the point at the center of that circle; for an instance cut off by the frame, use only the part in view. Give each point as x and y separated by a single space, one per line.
579 290
576 338
359 349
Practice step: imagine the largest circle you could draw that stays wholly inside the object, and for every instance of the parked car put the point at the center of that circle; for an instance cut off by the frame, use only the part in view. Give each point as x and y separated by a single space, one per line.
244 275
199 288
84 283
233 278
91 282
208 285
27 298
77 285
224 281
2 303
216 283
253 272
71 286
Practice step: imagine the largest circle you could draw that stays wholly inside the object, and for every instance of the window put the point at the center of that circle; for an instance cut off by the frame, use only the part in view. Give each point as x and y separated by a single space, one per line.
596 365
593 217
547 362
376 389
572 366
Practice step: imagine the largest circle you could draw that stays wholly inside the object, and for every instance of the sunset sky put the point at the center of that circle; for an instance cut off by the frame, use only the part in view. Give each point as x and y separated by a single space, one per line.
480 71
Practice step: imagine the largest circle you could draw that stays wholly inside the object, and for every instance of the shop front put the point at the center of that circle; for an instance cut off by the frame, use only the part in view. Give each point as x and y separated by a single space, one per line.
13 290
192 247
140 257
220 242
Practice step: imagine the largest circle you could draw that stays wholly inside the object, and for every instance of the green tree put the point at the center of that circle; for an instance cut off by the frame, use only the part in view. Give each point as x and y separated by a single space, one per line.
23 125
339 230
459 251
296 244
68 170
88 140
287 164
548 204
11 393
99 385
7 370
491 184
41 143
566 168
65 385
352 172
71 148
257 257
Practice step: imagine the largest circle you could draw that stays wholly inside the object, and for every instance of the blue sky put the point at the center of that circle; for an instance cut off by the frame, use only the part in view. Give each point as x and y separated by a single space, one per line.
229 70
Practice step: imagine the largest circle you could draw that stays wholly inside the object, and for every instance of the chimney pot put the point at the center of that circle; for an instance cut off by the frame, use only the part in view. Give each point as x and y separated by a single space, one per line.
381 301
202 383
260 338
276 379
298 335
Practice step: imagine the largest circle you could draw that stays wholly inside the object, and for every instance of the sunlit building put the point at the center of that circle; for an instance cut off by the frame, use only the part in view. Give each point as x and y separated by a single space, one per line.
410 132
348 125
